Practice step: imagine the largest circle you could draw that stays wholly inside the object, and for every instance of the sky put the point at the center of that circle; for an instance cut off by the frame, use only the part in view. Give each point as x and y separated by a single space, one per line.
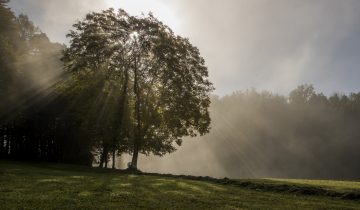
272 45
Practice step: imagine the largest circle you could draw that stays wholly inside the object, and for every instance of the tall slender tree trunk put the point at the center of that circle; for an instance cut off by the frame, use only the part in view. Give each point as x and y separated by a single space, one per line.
104 156
113 159
135 155
113 154
7 144
101 164
106 161
137 140
123 102
2 141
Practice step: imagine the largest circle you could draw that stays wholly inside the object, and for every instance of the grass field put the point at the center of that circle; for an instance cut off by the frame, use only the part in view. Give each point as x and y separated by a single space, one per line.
58 186
341 186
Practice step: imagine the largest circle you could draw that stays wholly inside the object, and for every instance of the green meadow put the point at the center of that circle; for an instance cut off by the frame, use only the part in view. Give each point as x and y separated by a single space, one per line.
61 186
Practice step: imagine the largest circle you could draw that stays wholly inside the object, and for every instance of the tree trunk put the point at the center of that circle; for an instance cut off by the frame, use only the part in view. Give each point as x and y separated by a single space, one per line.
135 156
2 141
114 157
8 142
137 140
103 156
121 114
106 162
113 153
101 164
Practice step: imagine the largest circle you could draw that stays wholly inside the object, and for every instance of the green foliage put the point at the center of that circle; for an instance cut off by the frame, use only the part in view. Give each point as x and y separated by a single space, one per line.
161 78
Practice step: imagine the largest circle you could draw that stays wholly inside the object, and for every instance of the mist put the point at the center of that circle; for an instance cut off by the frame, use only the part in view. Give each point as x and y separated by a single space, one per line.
275 45
260 134
30 67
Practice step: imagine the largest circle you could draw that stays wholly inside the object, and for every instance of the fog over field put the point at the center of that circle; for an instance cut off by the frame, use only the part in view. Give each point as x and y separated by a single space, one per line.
263 135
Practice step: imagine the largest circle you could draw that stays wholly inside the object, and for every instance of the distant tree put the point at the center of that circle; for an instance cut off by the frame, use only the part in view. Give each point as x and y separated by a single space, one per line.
162 78
302 94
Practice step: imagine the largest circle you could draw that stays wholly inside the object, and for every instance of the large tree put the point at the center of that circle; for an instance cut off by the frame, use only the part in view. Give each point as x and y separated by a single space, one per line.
161 77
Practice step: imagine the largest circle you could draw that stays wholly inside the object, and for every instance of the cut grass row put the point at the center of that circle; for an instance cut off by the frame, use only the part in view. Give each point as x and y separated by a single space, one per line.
349 190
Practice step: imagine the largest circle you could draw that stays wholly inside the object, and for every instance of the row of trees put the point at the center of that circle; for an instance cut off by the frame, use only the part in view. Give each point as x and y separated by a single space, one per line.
303 135
30 108
129 85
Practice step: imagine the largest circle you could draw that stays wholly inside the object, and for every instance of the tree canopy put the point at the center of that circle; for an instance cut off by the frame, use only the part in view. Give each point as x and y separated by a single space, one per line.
162 79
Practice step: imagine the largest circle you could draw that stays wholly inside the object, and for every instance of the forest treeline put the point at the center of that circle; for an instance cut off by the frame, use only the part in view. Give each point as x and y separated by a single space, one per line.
30 68
257 134
303 135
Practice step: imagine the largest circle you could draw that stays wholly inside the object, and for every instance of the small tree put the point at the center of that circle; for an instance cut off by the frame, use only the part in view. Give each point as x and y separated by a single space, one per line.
164 80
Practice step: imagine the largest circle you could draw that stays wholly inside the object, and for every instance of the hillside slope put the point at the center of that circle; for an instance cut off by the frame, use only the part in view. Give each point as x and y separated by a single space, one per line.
58 186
